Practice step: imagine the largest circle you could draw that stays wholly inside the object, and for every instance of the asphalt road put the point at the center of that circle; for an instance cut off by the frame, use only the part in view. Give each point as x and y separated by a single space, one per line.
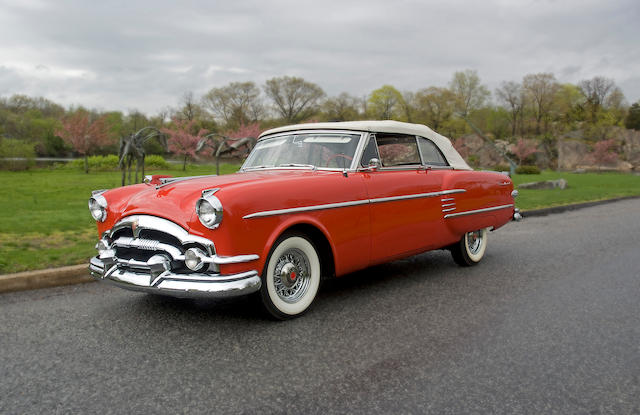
549 322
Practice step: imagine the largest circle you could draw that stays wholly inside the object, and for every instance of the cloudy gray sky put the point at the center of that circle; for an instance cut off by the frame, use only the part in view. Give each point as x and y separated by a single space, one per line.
146 54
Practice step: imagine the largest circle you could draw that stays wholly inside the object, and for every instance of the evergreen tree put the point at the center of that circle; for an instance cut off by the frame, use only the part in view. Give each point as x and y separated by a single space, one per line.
633 117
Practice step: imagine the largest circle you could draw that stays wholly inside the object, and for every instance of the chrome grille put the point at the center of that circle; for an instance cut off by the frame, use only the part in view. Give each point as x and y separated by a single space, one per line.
146 244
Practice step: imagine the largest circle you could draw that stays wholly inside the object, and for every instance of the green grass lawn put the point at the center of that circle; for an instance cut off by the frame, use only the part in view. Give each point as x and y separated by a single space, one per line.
583 187
44 220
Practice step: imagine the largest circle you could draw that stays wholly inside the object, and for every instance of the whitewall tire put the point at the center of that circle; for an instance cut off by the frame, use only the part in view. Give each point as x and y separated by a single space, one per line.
471 248
291 278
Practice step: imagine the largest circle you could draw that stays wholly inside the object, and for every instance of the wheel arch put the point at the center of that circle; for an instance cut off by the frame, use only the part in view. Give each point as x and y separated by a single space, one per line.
318 236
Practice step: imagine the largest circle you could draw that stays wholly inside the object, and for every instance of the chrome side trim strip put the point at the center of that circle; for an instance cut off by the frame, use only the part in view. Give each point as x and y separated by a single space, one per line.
447 199
350 203
416 196
449 209
448 204
305 209
472 212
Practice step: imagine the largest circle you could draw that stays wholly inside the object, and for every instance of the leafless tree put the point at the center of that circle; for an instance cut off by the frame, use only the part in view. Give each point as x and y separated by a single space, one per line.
541 89
597 89
596 92
294 98
470 93
190 109
434 106
235 104
344 107
512 95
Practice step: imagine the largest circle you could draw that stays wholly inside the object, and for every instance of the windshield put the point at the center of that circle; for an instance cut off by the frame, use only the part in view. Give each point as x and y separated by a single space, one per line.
322 150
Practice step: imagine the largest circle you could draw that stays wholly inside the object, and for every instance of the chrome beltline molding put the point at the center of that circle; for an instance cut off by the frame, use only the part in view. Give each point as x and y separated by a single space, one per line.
350 203
305 209
472 212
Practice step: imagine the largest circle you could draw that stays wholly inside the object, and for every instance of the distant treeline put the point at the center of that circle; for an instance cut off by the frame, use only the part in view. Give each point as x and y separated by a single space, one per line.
538 107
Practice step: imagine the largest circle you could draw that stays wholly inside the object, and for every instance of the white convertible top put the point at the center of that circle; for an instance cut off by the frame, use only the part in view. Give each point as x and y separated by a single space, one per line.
444 144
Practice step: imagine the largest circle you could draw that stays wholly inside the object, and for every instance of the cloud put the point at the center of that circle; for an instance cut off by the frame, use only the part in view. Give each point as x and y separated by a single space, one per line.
146 54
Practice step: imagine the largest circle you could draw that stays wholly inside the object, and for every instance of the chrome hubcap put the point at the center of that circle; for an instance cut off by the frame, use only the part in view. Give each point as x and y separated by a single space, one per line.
291 276
474 241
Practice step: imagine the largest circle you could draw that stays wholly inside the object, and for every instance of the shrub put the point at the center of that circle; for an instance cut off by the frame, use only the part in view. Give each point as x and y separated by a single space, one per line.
501 167
527 170
12 148
102 163
155 162
110 163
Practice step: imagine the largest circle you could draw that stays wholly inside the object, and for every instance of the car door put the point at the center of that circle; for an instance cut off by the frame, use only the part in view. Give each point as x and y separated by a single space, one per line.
405 205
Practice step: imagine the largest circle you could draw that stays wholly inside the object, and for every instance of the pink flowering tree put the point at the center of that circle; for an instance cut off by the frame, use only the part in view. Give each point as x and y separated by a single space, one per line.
83 135
604 153
523 149
182 141
252 130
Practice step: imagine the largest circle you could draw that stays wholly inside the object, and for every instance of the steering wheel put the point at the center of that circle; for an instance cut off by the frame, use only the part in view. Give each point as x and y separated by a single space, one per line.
344 156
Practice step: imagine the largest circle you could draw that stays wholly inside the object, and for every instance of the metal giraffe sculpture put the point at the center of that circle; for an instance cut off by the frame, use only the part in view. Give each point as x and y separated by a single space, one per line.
132 148
221 145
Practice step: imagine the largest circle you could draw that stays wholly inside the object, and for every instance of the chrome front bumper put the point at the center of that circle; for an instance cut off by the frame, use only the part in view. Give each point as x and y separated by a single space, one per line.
192 285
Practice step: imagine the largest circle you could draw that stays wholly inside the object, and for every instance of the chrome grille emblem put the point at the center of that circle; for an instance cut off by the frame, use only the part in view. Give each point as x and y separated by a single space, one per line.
135 229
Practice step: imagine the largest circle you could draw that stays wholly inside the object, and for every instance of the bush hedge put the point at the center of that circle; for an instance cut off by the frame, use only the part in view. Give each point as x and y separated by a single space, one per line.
501 167
110 162
154 161
527 170
96 163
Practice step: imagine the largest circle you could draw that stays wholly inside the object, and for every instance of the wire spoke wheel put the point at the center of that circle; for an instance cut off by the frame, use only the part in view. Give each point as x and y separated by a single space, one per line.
471 248
291 277
474 241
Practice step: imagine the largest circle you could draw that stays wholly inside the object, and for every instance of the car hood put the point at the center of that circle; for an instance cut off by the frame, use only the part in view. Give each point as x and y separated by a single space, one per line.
176 201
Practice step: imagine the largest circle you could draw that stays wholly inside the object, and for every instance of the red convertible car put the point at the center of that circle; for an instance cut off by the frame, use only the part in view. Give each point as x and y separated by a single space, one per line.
311 201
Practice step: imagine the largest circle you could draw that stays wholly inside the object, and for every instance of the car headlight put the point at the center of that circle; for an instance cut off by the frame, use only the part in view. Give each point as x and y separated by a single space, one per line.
209 209
98 207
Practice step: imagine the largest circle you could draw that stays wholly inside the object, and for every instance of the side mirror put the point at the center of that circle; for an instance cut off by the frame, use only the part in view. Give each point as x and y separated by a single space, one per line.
374 164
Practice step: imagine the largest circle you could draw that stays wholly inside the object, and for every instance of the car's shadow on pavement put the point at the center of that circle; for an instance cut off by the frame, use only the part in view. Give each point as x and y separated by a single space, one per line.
365 286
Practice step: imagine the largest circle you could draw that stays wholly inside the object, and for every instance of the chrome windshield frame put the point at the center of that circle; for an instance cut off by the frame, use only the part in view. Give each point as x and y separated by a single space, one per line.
352 167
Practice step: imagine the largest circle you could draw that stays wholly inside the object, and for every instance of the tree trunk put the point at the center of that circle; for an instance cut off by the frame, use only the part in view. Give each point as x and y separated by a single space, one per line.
184 164
86 164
